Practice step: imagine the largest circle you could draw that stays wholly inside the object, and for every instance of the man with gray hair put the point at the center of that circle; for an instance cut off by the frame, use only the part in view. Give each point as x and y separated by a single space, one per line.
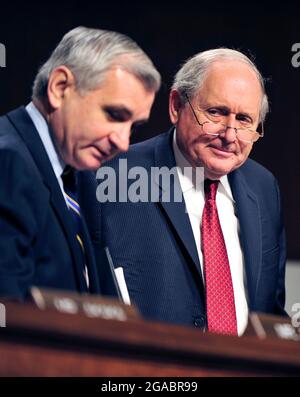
95 87
207 260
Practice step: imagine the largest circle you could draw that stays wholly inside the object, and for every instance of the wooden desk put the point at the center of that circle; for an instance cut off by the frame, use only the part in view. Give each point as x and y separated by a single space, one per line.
48 343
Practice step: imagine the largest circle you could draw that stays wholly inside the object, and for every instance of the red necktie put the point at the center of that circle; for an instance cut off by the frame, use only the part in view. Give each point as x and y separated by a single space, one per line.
220 307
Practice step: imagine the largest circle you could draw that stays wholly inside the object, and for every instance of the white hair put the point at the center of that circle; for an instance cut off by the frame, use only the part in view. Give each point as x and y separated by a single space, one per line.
191 76
89 53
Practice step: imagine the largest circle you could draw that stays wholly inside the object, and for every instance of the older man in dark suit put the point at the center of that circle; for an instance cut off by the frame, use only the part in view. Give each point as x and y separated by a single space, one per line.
209 258
86 98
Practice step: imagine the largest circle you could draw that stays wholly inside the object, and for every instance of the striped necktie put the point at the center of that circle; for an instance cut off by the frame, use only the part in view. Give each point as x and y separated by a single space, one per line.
70 189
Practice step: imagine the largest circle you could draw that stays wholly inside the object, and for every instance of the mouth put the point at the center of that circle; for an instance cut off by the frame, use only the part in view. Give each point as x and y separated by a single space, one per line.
103 155
222 152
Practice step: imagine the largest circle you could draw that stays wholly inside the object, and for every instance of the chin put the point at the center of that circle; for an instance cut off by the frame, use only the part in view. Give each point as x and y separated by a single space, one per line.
91 164
216 173
221 169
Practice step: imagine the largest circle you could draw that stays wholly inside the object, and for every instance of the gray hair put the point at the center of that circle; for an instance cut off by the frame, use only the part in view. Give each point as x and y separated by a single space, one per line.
89 53
190 78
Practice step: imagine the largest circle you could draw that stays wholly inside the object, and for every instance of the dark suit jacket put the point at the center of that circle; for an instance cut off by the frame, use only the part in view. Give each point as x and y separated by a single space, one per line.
37 242
154 242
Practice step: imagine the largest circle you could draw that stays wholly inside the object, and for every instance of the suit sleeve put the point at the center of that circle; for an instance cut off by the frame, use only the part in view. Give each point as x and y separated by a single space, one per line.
18 225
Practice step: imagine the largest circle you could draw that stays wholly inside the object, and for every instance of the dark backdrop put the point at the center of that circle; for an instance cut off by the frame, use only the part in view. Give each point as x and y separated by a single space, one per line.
170 32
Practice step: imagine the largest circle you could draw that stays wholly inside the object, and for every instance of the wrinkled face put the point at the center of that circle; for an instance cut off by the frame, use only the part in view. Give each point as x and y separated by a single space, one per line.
231 90
91 128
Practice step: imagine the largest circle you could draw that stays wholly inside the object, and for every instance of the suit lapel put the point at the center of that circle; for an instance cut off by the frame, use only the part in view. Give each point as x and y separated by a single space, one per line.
175 211
248 213
25 127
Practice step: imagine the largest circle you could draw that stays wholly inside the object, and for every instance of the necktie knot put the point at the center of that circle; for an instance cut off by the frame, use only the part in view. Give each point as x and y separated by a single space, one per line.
69 180
70 188
210 188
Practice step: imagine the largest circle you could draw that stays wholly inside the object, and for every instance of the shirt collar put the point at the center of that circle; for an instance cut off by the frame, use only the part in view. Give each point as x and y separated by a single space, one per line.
43 129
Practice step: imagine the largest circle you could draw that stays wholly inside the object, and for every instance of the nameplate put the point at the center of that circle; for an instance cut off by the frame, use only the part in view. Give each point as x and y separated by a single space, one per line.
91 306
265 325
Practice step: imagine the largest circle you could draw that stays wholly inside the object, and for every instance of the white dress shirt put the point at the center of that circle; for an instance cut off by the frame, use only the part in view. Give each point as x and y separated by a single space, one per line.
193 194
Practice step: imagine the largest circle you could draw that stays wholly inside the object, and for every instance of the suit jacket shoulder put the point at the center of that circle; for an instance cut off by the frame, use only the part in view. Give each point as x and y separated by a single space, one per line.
37 243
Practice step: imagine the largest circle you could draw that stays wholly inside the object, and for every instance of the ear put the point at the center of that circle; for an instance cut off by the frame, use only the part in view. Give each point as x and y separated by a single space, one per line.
174 106
60 80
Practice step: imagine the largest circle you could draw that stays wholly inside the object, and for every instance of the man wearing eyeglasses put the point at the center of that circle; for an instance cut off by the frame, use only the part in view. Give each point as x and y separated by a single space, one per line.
219 253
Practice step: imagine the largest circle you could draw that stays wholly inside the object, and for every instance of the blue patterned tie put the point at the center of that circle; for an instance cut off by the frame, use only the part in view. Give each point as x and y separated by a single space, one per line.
70 189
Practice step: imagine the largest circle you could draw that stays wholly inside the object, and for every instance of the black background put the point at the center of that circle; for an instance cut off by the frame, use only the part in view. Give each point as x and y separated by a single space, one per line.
170 32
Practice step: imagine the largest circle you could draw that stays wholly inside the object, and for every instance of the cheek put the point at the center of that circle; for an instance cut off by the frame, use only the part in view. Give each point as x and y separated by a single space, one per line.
245 150
192 140
242 156
88 133
97 128
200 144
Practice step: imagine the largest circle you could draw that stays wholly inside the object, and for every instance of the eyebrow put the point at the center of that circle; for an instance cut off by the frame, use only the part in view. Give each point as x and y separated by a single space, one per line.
128 113
120 108
226 109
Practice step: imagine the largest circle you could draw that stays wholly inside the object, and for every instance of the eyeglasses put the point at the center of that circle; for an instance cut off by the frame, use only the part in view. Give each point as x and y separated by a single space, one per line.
217 128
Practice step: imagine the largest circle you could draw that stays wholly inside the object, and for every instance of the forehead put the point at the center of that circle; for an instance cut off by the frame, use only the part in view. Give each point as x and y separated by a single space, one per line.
121 88
118 81
233 84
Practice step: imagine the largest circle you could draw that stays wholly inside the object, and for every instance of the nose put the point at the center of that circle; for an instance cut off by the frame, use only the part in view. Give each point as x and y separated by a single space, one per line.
228 134
230 130
121 138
